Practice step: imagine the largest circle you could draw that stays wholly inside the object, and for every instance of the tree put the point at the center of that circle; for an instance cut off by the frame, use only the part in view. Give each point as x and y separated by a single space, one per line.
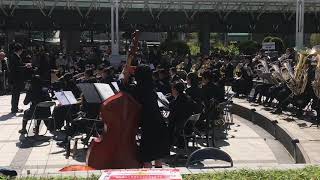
314 39
249 47
280 47
177 47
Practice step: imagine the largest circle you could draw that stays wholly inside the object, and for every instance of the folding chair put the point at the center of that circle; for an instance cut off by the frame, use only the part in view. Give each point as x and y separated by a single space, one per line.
45 104
208 153
93 130
193 119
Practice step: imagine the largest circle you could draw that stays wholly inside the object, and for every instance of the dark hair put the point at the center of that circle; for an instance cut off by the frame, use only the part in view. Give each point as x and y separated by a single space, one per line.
143 76
107 71
207 75
155 74
89 72
179 86
194 79
173 69
17 47
36 83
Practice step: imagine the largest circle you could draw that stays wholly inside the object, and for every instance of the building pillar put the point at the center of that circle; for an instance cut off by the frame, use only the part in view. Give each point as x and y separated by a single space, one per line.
299 24
115 39
181 36
70 41
204 37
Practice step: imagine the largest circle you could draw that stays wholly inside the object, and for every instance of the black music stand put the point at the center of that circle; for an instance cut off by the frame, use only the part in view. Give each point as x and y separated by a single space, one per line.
96 93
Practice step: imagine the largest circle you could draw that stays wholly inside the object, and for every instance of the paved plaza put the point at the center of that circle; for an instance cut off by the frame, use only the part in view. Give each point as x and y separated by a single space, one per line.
309 137
248 145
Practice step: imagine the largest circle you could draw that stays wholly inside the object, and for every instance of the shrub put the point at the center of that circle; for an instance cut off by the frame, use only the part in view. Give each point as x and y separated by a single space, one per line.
249 47
314 39
280 47
179 48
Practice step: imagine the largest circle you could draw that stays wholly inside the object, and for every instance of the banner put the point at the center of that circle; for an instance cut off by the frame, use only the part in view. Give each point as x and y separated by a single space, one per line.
141 174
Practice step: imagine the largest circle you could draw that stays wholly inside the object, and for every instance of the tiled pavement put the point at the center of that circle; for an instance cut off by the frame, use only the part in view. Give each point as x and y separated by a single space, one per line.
248 145
309 137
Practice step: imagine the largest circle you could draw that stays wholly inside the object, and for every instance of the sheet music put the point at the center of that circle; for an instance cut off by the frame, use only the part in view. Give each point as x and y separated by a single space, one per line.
162 101
62 98
152 66
104 90
115 85
69 95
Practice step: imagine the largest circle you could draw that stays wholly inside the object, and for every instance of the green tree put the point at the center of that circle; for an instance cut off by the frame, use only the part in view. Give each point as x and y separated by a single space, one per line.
315 39
177 47
280 47
249 47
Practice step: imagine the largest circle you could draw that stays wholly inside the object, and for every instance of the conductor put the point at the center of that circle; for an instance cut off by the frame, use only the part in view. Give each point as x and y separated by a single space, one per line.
16 76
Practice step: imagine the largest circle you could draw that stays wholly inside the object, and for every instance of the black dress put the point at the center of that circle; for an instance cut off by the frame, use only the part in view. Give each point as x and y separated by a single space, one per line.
154 142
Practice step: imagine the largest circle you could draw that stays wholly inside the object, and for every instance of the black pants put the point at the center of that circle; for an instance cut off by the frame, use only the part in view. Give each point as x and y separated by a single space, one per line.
16 90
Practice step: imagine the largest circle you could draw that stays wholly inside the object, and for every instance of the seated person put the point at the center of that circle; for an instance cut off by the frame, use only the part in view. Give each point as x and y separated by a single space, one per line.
63 114
194 91
181 108
88 77
106 76
211 89
36 93
174 76
164 82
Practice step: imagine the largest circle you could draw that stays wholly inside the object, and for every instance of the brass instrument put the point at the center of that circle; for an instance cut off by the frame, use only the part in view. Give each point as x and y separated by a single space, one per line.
299 79
276 73
316 82
287 71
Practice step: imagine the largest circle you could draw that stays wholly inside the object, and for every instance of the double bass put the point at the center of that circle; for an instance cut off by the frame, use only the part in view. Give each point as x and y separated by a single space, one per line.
116 148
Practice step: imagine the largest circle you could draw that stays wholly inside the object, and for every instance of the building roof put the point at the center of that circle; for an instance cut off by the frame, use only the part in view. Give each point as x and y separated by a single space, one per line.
168 5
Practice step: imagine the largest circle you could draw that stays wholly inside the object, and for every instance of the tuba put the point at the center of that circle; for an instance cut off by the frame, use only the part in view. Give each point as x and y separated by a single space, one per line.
316 82
276 72
299 78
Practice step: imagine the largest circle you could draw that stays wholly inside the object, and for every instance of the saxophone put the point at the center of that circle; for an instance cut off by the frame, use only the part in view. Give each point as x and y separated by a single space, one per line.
316 82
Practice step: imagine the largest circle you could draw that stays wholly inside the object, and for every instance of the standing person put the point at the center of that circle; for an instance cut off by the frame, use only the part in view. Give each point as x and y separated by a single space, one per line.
61 61
16 79
154 143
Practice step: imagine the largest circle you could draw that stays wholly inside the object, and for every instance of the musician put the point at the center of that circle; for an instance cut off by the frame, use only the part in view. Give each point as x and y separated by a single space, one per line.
43 66
229 71
181 108
62 114
301 100
164 82
211 89
16 76
36 93
61 61
174 76
243 83
154 144
88 77
107 76
194 91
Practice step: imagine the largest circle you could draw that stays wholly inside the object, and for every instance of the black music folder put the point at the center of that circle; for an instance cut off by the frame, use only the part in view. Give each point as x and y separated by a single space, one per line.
96 92
66 98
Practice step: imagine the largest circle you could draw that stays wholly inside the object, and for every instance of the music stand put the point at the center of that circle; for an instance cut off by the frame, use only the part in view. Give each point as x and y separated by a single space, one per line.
96 93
